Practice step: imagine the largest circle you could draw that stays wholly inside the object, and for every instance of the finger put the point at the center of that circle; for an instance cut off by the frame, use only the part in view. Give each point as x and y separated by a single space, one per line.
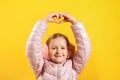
60 15
65 15
62 21
57 15
51 20
55 18
52 15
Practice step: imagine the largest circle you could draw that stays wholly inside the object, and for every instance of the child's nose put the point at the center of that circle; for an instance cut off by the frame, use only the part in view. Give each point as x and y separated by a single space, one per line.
58 51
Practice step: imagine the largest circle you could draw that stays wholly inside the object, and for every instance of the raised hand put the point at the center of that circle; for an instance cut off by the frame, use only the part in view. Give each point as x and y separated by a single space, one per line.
52 17
67 18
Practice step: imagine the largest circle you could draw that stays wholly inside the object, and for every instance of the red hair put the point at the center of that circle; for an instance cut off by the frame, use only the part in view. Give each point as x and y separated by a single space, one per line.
70 47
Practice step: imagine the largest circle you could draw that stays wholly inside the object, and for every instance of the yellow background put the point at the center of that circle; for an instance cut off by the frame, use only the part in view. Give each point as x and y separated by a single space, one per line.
101 19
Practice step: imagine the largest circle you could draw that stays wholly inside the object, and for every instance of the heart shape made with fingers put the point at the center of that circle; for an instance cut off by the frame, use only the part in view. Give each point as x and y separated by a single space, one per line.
58 19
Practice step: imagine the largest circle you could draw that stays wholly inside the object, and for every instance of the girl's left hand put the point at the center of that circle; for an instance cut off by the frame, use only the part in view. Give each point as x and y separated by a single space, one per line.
67 18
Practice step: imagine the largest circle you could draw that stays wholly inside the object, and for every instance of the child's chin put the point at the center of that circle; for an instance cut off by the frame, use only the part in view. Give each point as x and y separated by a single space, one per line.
59 61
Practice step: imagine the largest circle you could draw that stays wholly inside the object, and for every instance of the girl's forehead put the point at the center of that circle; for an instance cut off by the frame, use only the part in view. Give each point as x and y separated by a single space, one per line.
58 41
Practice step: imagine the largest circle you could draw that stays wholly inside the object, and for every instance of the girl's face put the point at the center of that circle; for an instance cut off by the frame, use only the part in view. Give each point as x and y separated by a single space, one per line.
58 50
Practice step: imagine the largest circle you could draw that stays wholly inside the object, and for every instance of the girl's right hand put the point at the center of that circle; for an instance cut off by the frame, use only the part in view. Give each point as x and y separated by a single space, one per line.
51 17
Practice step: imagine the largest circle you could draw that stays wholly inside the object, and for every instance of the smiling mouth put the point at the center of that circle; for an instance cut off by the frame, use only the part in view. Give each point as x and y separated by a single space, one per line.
58 55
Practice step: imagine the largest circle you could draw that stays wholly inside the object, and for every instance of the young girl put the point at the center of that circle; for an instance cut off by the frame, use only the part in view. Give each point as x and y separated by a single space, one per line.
58 59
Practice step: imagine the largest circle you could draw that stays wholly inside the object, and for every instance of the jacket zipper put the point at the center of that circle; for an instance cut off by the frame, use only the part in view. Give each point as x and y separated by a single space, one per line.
58 72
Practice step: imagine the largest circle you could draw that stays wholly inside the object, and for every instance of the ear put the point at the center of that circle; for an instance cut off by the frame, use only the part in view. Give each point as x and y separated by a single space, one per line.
45 52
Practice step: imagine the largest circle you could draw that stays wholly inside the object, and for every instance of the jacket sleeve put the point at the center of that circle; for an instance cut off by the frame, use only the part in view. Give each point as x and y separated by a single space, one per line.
34 47
83 47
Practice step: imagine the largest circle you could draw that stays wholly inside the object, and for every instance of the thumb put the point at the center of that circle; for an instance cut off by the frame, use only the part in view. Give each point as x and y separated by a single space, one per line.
61 21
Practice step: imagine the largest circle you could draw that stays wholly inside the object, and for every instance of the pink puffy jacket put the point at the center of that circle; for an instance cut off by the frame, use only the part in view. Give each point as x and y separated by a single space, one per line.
45 69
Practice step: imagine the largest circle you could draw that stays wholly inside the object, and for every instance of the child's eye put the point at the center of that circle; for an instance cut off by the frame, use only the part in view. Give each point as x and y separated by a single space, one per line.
53 48
62 48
